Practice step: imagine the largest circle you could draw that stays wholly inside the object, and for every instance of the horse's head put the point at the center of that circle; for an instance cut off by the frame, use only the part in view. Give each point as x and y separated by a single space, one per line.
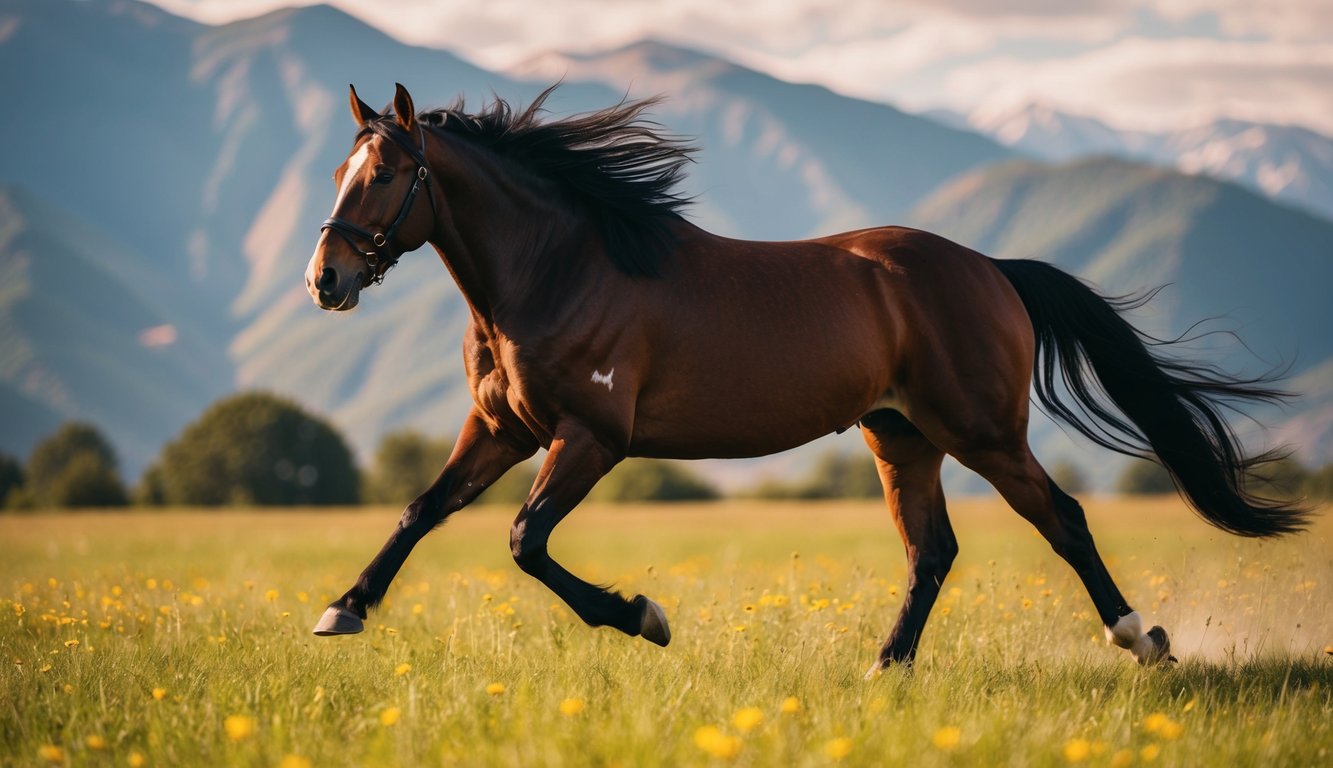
375 217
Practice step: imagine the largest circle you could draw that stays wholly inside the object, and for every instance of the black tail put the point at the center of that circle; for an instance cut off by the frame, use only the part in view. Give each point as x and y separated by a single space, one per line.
1170 408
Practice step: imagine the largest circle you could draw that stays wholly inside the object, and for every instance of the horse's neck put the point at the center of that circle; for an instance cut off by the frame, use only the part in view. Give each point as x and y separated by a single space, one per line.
501 231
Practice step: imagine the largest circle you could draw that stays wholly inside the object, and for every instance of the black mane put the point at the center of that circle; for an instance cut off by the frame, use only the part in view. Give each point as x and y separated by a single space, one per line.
623 169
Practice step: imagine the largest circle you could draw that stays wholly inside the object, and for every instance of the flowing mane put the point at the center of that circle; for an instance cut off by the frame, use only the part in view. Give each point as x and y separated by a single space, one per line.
622 169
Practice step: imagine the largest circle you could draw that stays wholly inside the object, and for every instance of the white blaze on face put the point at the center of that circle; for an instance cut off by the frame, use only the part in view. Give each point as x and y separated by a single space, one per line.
604 378
354 165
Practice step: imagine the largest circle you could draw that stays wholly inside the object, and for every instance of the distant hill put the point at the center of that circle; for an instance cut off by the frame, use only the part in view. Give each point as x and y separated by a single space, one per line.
207 151
780 160
1287 163
162 173
1261 269
89 330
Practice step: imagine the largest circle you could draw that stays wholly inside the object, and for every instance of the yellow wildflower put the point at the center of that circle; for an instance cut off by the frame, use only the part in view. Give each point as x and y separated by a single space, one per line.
271 595
747 719
791 705
1077 750
1163 726
159 694
51 753
294 761
572 707
947 737
95 742
838 748
390 716
495 689
239 727
1123 758
1150 752
402 669
136 759
713 741
71 643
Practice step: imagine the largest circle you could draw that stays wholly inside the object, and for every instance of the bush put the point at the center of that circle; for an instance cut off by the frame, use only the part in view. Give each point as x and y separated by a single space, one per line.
1286 478
407 462
11 477
512 488
86 482
256 448
835 475
1319 483
652 480
1145 478
1067 475
75 467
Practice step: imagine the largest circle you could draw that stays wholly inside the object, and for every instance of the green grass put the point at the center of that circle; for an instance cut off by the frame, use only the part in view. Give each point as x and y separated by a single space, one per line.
767 602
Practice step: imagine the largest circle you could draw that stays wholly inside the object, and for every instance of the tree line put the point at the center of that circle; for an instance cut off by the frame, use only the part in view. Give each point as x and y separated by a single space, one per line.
258 449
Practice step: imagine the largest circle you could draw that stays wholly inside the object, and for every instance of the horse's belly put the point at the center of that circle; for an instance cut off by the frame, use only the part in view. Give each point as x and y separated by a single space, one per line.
744 415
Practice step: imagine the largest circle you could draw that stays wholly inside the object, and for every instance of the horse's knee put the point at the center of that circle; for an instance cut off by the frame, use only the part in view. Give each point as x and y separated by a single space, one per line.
933 566
421 514
527 546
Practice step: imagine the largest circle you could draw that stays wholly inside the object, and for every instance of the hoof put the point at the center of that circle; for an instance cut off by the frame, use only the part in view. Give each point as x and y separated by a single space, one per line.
1161 650
875 671
338 621
652 622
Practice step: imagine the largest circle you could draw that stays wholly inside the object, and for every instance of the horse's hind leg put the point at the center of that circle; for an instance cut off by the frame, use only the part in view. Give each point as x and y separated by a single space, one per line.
909 468
1022 482
575 462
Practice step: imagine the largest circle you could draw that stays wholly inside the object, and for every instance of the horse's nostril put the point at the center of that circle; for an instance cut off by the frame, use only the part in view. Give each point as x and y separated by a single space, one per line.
327 279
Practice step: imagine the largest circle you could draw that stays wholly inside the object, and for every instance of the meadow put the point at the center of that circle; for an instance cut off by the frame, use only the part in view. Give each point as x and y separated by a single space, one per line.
182 639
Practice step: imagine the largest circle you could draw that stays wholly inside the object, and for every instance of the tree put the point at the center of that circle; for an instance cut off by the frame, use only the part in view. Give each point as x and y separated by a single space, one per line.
652 480
11 478
1144 478
834 475
1067 475
1284 478
405 463
257 448
75 467
1319 483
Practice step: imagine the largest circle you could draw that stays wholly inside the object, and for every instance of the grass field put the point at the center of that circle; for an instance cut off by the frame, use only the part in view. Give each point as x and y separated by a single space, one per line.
184 639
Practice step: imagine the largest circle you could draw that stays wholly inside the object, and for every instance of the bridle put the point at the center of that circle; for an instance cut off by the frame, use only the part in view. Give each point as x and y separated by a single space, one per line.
382 257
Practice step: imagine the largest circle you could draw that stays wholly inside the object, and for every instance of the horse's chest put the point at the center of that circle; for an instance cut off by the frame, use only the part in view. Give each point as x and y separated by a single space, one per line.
502 395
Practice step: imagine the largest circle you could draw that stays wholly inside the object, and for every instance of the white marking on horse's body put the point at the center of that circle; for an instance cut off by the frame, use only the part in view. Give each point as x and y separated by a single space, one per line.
604 378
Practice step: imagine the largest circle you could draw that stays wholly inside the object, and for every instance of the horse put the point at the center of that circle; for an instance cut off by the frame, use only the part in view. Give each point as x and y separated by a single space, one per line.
603 325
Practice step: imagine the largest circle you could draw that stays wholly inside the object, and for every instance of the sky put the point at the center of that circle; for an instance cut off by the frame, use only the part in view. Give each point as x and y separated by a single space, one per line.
1144 65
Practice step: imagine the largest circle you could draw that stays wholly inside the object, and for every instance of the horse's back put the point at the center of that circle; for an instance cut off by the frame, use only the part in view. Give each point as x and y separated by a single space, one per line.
816 333
966 366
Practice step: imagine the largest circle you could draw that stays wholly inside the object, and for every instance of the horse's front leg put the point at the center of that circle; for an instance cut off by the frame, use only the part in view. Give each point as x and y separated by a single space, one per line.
574 464
479 458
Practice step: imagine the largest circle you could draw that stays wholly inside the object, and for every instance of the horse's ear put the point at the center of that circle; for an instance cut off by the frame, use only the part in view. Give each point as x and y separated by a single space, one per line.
403 110
362 112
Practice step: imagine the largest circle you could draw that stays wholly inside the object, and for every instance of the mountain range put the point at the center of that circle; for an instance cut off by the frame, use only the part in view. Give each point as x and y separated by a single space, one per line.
1285 162
163 183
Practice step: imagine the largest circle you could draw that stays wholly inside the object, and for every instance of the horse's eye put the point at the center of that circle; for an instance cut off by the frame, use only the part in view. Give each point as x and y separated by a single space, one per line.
384 177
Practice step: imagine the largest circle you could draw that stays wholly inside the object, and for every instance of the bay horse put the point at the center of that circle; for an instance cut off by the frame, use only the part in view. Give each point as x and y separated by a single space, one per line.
605 325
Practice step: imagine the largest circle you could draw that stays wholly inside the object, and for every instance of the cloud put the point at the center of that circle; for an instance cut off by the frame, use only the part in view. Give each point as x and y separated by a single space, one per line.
1141 82
1133 62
